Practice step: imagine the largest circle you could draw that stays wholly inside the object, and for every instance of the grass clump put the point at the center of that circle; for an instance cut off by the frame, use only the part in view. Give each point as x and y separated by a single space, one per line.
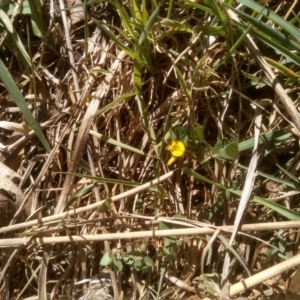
158 149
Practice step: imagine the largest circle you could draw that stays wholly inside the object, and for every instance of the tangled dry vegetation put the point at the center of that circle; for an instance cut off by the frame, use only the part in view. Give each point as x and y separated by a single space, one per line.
111 84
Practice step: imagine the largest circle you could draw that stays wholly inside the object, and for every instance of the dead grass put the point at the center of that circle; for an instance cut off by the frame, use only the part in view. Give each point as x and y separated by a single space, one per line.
110 91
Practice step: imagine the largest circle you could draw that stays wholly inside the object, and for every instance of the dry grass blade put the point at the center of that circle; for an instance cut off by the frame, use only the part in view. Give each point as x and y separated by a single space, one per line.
58 217
249 282
15 242
83 132
246 194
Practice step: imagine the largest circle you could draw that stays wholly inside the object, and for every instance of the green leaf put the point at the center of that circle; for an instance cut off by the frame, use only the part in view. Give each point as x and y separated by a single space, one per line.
197 133
105 260
128 259
179 133
226 150
148 261
170 257
139 264
288 213
117 265
183 83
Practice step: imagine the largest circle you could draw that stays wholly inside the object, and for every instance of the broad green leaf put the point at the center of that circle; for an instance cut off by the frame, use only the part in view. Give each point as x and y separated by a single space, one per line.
117 265
128 259
148 261
138 264
179 133
226 149
197 133
105 260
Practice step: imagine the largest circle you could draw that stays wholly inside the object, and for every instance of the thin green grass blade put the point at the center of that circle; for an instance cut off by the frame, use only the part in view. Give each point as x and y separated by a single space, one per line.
201 7
270 36
234 252
281 68
290 175
183 84
202 178
113 103
136 12
124 17
117 143
148 26
217 12
145 15
290 184
170 9
140 101
289 214
268 31
11 31
287 26
106 180
17 97
274 137
114 38
232 49
37 19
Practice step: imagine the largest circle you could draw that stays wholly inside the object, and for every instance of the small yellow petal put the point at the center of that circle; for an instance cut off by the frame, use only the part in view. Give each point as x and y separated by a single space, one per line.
171 160
177 148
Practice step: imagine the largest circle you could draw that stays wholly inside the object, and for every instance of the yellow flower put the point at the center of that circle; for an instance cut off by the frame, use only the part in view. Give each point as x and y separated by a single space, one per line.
177 149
